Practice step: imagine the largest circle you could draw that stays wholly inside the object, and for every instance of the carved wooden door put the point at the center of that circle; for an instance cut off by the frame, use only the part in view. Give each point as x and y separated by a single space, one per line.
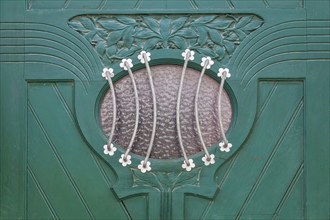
57 110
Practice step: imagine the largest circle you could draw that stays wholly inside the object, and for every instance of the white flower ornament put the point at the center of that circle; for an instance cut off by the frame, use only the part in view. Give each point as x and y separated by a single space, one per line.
144 167
107 72
141 56
207 61
124 161
208 161
189 166
109 150
191 54
125 62
225 147
224 72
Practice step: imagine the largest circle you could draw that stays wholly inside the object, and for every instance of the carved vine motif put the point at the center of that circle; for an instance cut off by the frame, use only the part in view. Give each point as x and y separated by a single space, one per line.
166 181
117 37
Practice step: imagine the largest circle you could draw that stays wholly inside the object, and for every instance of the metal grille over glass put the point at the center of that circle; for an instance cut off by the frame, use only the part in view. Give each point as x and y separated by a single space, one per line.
166 81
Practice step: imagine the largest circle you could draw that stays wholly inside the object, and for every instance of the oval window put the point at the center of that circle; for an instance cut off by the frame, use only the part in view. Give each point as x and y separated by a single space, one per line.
166 80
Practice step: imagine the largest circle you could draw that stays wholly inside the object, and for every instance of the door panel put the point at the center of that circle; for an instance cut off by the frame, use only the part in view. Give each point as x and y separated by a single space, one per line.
52 161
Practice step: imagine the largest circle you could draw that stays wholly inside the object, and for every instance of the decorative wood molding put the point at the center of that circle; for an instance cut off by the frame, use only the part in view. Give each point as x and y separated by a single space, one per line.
117 37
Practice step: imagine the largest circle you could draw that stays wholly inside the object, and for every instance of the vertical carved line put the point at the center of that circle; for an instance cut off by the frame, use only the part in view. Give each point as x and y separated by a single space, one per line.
302 3
166 206
29 4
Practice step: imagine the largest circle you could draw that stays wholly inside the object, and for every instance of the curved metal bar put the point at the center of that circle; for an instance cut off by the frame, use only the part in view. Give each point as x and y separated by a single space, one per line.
154 103
178 110
196 111
114 106
223 134
137 107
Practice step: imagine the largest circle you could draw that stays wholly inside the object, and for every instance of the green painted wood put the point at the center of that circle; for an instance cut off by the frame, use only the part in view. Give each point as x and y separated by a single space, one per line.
51 155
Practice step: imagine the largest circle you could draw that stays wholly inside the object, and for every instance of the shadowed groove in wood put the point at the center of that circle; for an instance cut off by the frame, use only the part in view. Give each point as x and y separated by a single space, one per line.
61 162
42 193
289 190
269 159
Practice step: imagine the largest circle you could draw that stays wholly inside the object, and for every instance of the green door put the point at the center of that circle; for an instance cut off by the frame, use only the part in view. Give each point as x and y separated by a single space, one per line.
57 110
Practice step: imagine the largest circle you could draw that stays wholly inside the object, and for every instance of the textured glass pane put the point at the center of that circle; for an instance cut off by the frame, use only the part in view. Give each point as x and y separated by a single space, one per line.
166 81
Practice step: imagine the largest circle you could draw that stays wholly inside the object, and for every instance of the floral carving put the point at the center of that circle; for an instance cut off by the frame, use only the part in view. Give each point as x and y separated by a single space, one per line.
161 180
117 37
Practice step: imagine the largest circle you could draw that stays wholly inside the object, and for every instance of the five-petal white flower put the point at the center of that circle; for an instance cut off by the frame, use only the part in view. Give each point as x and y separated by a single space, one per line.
109 150
207 60
224 147
189 166
124 161
125 62
208 161
142 55
224 73
191 54
107 72
144 167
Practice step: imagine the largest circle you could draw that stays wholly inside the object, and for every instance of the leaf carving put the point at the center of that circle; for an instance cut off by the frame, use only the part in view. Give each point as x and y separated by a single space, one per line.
145 179
165 28
151 23
116 37
215 36
87 23
178 24
111 25
179 42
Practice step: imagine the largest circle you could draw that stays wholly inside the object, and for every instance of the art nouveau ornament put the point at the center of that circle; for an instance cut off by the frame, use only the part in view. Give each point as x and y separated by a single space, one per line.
188 163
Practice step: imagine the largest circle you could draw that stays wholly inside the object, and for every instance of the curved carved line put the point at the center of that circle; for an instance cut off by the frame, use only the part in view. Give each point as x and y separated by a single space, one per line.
266 36
82 62
256 59
305 53
94 62
54 41
80 67
257 38
55 64
262 55
59 58
286 58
